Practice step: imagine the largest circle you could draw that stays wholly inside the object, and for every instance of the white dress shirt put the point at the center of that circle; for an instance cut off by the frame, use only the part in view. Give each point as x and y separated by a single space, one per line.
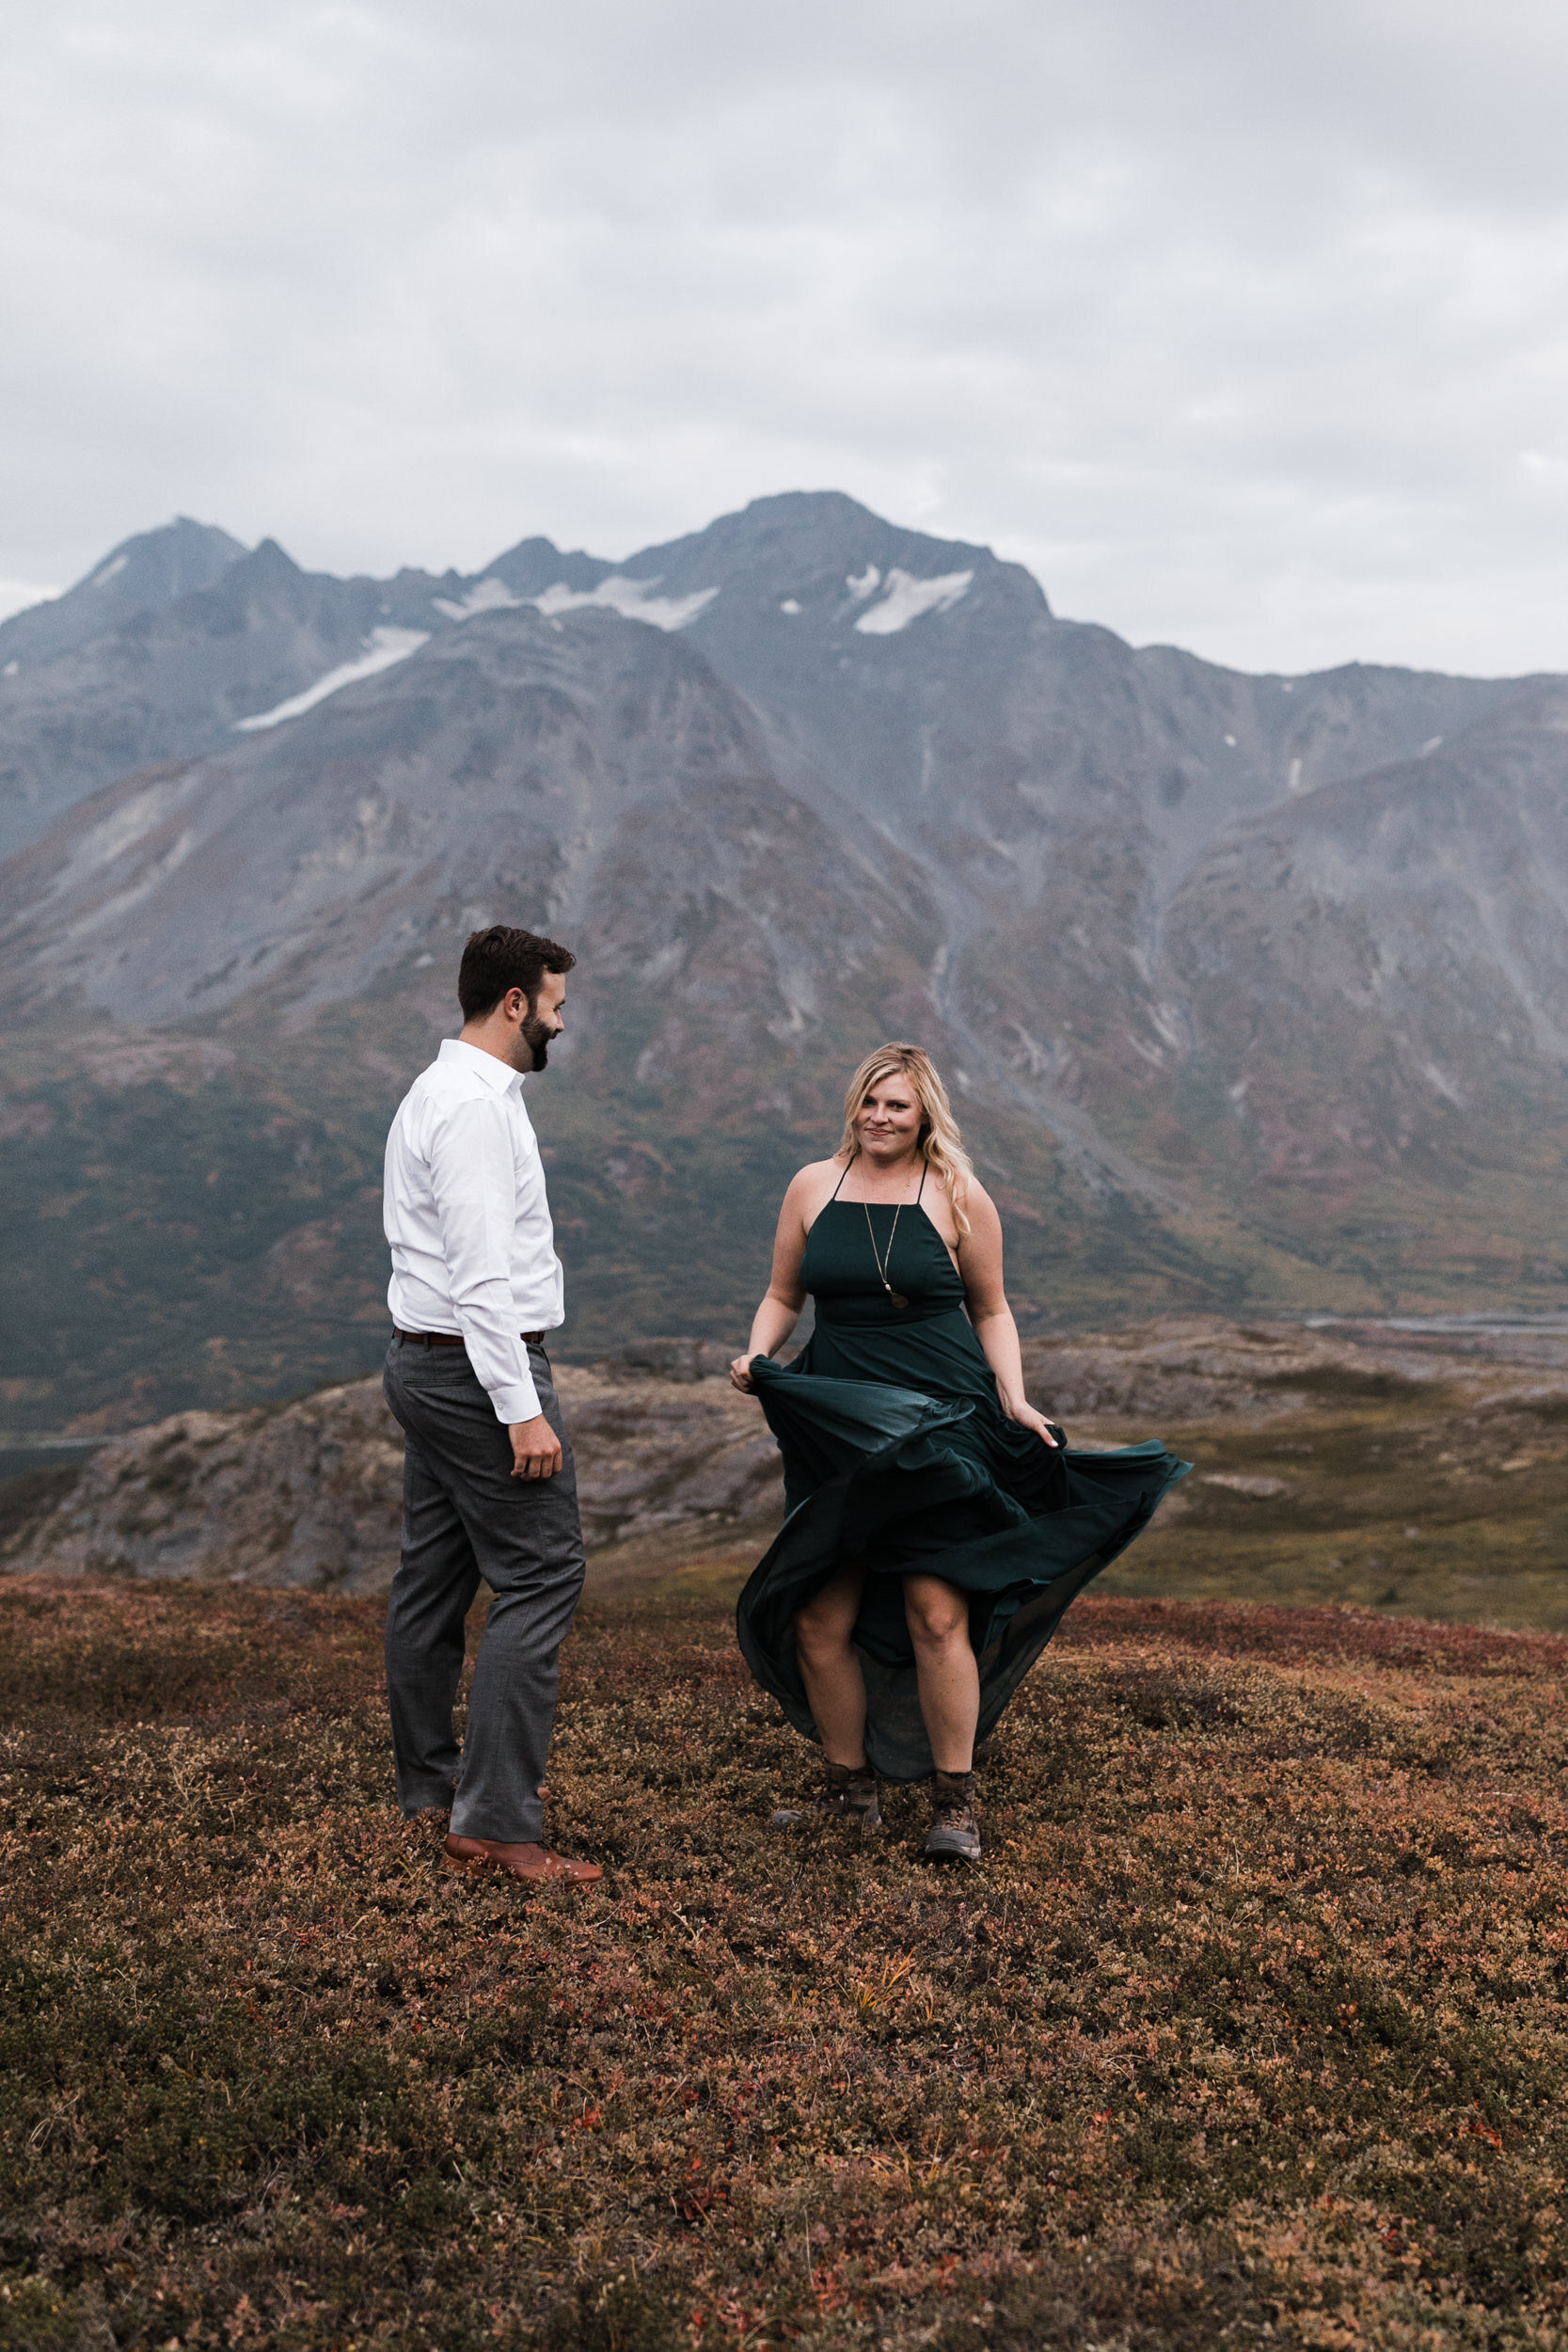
473 1249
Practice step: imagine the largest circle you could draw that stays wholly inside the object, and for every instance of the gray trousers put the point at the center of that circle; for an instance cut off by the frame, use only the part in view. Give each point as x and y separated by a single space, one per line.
465 1518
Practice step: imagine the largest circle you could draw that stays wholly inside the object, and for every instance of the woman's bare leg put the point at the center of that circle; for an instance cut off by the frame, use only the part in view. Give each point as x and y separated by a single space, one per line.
949 1679
829 1669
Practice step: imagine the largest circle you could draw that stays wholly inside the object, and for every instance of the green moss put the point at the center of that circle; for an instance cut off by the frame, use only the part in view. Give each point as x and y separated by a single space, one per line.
40 2314
1408 1501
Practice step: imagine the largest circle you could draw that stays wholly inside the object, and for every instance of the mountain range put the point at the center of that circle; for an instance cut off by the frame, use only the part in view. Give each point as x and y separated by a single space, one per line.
1252 992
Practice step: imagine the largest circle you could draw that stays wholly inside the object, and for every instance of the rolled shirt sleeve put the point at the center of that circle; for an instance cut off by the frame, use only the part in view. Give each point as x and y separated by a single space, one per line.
474 1184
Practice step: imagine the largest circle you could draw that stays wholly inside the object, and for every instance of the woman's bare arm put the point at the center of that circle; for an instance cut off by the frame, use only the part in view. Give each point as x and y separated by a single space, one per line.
980 1264
780 1310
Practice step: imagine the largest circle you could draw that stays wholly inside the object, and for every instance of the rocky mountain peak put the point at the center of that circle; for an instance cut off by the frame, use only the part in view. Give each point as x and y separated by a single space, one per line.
176 676
814 558
533 566
268 561
818 556
144 574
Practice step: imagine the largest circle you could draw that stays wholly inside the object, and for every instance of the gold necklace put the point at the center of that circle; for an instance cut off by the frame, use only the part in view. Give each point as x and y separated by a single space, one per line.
883 1263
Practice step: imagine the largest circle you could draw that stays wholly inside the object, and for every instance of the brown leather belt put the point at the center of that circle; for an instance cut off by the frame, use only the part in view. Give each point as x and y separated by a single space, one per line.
455 1339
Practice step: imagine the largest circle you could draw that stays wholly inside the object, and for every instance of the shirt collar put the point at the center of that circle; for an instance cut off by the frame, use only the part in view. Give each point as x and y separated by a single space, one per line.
505 1079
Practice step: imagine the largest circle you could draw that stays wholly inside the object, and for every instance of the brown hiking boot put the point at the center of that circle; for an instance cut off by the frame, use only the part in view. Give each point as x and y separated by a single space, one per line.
850 1795
954 1831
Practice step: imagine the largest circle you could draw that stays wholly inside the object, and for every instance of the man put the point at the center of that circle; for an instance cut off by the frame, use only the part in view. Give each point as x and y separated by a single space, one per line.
488 1489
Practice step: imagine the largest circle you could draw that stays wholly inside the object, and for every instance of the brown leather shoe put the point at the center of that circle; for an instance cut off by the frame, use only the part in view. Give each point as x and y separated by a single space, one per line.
516 1861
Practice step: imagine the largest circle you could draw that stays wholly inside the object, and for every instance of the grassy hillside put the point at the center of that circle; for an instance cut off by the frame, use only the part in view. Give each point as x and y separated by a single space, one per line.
1417 1498
196 1220
1250 2029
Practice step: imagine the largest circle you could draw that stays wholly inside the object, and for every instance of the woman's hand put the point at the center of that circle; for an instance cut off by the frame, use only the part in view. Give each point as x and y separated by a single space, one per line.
1018 1408
740 1376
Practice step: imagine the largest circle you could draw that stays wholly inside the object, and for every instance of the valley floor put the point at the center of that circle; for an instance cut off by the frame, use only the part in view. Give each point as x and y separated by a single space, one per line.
1446 1502
1249 2030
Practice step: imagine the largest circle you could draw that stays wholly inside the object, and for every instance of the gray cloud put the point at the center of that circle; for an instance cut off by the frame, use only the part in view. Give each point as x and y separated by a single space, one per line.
1244 326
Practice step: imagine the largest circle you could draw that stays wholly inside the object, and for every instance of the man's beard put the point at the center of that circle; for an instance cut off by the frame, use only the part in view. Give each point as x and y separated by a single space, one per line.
535 1035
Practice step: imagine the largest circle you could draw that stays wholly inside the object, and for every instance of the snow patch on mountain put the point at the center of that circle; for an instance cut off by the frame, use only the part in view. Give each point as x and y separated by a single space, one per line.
907 599
632 599
386 645
487 596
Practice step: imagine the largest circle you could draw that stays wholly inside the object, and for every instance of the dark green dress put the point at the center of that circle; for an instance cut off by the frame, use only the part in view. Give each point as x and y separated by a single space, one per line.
898 1454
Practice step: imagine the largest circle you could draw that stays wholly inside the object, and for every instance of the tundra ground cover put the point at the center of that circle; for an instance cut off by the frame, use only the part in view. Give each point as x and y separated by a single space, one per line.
1441 1500
1250 2030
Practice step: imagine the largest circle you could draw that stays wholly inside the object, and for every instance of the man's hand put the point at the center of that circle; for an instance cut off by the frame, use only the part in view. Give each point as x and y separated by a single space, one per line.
535 1448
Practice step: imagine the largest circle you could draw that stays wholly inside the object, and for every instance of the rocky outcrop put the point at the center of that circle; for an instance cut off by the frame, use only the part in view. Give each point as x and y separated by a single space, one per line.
1193 1369
310 1493
672 1464
306 1495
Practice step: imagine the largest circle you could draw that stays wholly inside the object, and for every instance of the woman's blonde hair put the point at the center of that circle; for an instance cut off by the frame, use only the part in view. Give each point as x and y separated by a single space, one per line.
940 1140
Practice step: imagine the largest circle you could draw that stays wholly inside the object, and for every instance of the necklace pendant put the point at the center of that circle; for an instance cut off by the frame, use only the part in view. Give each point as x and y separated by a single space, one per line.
883 1259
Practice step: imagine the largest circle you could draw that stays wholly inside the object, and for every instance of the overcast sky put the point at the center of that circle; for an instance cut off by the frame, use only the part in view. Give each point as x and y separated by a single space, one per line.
1245 324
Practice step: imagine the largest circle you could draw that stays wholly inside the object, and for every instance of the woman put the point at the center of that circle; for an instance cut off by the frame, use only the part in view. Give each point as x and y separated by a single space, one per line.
937 1526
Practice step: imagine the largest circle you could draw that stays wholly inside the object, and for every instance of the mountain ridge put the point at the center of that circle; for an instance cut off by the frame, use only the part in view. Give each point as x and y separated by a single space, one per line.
141 574
1189 943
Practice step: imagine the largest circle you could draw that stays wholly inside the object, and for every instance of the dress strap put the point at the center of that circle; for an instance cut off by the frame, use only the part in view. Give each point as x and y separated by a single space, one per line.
925 1171
839 1187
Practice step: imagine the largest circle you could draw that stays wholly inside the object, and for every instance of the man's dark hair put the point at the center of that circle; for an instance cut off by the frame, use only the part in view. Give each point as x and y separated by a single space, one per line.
502 959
